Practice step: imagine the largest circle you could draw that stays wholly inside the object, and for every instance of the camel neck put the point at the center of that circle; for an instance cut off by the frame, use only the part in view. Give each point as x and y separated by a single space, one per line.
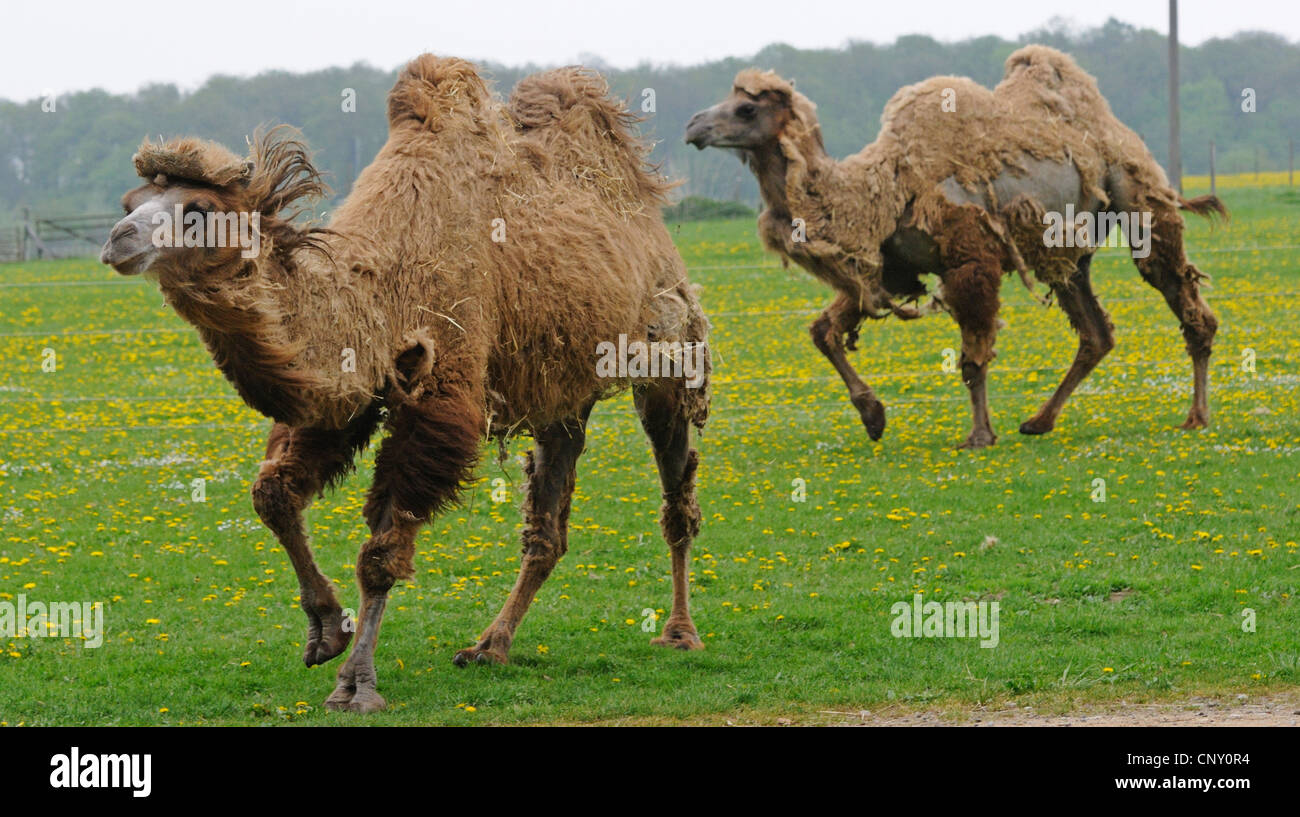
773 169
770 167
253 326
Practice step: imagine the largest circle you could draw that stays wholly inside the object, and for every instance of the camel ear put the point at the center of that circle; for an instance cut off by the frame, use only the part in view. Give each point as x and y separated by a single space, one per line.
247 175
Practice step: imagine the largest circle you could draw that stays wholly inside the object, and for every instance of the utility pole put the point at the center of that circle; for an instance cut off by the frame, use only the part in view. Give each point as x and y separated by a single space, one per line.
1175 144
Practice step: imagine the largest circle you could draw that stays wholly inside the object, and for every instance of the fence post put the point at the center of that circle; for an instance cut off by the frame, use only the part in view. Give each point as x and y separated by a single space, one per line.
1211 167
1175 144
22 235
1290 165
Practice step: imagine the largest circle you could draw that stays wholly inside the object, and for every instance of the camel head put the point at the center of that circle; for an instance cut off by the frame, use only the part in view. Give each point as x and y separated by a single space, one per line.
762 111
204 214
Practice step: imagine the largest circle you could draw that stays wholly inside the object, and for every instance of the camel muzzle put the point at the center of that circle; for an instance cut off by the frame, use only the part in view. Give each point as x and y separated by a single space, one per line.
699 130
125 261
124 251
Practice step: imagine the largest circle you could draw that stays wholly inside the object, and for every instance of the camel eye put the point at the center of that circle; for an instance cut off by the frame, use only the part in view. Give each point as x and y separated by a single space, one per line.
747 110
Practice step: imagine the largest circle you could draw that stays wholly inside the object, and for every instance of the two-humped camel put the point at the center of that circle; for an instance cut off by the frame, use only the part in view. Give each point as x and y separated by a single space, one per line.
958 185
461 291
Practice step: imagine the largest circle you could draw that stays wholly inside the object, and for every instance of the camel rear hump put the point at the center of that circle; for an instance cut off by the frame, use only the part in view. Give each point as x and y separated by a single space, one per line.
1037 75
582 130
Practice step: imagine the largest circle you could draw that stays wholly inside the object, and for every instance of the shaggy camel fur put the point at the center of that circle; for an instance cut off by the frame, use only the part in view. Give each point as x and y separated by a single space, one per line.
957 185
460 291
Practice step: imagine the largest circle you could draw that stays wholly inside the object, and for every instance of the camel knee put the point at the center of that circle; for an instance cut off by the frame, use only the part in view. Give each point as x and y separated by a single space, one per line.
545 536
820 331
973 373
680 520
386 558
1199 329
276 502
976 354
1097 346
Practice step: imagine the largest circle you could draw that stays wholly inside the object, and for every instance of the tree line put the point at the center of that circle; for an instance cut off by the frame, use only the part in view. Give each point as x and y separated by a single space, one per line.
76 158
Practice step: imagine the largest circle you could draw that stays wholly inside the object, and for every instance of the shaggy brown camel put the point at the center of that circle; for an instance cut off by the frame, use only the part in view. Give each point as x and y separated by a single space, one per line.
461 291
959 184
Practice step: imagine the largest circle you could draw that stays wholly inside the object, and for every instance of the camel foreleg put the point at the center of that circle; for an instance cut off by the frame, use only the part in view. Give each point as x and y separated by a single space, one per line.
841 319
972 291
1166 268
299 464
432 446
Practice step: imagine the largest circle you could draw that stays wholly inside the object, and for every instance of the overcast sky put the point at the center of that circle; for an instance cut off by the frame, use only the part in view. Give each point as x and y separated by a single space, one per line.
79 44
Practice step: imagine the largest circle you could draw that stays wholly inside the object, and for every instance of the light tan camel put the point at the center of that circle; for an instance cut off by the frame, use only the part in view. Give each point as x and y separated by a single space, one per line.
959 184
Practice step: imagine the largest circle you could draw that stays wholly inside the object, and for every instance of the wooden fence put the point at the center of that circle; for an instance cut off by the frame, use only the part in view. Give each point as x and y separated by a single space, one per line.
55 237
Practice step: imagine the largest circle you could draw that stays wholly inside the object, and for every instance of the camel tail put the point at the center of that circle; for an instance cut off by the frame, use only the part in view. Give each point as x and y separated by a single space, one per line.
1205 206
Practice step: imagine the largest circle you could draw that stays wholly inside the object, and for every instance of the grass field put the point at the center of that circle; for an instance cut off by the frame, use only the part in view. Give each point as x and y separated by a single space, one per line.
1139 597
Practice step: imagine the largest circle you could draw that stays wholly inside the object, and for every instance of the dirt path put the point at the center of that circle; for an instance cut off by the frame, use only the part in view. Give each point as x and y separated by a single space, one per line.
1241 711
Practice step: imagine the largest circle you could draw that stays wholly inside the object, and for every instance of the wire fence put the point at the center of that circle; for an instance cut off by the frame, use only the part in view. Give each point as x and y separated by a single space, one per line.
799 406
1191 251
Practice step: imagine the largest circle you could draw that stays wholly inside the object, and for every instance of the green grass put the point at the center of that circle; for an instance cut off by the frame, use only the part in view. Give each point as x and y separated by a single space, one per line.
1139 597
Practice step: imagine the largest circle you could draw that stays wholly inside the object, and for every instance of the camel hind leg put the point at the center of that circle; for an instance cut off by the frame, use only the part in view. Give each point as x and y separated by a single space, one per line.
662 408
552 472
1165 267
828 331
1096 339
1163 264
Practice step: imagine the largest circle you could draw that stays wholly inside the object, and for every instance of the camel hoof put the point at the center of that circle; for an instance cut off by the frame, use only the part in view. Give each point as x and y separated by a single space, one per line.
978 440
340 698
873 417
474 655
319 652
363 700
326 638
679 639
1034 426
1195 421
